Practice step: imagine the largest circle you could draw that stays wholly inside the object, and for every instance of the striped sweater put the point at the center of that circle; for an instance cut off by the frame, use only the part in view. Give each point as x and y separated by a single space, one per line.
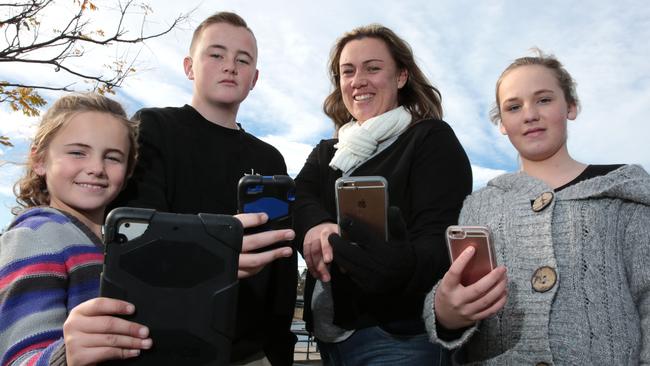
49 263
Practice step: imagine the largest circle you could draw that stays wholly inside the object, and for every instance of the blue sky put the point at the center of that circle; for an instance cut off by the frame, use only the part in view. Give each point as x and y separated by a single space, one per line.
462 46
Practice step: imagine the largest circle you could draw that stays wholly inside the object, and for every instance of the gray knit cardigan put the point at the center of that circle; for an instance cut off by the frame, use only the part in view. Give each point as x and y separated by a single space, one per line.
596 236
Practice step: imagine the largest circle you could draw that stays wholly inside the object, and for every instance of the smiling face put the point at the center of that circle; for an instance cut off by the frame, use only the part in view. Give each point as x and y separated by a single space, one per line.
534 113
85 164
223 65
369 78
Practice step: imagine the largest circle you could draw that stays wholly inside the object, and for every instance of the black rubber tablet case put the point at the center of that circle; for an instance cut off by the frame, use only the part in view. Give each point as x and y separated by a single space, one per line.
181 274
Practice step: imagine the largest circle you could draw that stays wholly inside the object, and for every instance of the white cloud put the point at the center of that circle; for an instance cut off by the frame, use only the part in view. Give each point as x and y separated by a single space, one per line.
157 92
294 153
10 174
482 175
16 125
20 129
461 45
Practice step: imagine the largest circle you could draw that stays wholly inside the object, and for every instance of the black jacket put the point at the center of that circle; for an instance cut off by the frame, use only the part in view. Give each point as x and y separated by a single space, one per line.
428 176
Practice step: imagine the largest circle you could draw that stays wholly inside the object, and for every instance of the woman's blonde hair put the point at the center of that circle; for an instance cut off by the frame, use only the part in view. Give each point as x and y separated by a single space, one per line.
564 79
31 189
418 96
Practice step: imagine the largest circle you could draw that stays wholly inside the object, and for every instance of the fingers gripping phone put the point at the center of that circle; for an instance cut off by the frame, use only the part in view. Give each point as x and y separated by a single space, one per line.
365 199
483 262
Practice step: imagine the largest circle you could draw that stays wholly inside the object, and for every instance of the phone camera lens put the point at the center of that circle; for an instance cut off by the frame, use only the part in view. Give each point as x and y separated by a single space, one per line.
121 238
457 234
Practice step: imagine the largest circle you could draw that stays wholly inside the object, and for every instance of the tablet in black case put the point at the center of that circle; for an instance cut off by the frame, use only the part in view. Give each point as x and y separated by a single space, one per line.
180 272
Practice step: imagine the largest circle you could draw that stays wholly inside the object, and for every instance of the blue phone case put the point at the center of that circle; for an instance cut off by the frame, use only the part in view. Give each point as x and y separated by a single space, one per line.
273 195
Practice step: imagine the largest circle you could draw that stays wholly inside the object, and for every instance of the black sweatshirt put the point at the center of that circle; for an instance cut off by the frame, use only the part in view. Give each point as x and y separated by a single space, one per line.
189 165
428 176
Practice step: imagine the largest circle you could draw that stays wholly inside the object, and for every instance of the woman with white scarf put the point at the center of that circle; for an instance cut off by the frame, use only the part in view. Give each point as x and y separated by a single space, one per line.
363 301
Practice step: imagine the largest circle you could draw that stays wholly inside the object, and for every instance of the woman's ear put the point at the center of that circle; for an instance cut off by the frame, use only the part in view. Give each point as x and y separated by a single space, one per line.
402 78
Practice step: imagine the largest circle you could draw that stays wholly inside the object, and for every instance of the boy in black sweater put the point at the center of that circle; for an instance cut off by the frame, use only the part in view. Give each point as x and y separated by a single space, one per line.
191 159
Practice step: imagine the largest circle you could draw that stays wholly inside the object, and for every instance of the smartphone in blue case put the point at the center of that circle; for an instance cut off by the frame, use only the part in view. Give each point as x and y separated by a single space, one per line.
273 195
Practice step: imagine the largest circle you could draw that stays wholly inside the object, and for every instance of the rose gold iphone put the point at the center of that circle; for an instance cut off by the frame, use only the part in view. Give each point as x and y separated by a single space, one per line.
484 260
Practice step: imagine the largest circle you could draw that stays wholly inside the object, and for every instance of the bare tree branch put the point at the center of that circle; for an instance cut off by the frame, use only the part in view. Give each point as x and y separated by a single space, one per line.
66 88
4 140
26 43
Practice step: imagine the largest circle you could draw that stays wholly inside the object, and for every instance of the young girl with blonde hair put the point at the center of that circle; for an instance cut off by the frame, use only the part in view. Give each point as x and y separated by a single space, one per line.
51 255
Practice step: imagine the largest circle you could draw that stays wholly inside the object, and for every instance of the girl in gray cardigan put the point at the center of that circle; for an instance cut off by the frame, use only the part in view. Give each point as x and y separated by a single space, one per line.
572 241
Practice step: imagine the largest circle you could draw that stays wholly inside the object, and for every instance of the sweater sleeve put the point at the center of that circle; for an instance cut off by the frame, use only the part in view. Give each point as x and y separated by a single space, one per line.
440 179
429 316
637 245
33 298
308 211
148 186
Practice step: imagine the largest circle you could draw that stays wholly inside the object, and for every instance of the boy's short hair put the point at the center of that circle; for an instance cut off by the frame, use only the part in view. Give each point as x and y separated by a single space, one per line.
220 17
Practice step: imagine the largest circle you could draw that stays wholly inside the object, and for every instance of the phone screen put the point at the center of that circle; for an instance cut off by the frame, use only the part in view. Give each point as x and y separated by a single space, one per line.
483 261
364 199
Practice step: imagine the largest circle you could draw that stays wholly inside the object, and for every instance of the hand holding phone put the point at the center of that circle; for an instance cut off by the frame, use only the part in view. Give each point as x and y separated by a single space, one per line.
363 199
483 262
256 252
376 265
455 305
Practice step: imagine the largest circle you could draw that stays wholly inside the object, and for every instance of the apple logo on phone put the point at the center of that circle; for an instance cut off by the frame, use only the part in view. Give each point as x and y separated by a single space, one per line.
361 204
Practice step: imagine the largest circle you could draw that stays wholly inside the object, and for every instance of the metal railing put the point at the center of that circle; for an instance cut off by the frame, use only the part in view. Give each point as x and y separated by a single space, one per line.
306 349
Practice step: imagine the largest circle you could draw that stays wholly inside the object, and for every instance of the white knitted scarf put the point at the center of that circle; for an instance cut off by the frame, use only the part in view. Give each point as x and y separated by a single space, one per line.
358 142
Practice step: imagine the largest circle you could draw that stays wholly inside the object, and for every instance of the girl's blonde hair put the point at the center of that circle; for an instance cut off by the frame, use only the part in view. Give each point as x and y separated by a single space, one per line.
564 79
31 189
418 96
